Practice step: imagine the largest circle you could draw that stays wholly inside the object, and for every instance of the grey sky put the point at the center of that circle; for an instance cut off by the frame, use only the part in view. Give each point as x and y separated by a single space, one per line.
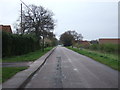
94 19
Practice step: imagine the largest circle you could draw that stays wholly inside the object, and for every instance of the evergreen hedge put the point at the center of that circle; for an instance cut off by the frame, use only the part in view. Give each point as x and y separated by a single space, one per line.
15 44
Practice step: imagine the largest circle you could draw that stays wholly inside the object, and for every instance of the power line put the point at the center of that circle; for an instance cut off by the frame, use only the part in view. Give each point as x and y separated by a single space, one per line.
21 13
26 5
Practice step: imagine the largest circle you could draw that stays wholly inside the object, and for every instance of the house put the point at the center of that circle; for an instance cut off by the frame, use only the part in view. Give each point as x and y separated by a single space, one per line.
6 28
109 41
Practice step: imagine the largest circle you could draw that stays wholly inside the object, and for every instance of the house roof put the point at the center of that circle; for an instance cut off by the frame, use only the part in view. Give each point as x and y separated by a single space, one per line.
109 40
6 28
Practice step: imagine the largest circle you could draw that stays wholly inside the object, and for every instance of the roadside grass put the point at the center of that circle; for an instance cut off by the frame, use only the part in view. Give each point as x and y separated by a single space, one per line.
32 56
108 59
0 74
8 72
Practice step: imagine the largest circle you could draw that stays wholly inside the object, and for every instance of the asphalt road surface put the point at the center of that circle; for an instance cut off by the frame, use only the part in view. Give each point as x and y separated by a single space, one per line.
68 69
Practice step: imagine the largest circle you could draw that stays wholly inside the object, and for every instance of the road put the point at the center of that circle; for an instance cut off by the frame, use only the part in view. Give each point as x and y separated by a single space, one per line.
68 69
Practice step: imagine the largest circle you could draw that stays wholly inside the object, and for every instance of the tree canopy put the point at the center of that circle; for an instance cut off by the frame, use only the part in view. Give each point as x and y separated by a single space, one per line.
39 21
36 19
68 38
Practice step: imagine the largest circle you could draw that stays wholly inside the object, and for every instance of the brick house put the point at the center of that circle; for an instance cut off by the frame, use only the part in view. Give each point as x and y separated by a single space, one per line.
6 28
109 41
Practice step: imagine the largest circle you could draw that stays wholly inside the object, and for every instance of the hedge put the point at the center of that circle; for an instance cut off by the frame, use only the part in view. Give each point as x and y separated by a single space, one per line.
109 48
15 44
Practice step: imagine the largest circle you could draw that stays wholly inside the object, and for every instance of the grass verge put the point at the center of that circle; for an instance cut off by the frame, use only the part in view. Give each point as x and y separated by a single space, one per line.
110 60
32 56
0 74
8 72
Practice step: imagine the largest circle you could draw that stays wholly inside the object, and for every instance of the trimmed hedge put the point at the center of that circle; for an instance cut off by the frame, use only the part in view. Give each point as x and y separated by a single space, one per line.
15 44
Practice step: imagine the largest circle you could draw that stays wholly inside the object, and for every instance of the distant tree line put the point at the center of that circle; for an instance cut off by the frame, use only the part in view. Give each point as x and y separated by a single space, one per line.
72 38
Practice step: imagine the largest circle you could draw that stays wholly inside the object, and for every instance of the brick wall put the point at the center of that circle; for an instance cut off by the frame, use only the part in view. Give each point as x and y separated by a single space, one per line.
109 41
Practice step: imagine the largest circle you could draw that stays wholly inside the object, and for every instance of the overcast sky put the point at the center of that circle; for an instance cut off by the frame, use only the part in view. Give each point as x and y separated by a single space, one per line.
94 19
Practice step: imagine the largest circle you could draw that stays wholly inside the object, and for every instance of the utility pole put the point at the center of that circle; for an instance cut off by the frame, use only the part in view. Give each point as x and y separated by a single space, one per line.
33 13
21 19
25 5
22 31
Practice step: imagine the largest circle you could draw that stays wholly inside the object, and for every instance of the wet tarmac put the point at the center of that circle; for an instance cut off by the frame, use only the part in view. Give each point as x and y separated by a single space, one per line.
68 69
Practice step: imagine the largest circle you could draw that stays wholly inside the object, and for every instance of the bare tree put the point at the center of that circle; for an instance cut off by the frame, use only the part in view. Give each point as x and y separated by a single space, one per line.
38 20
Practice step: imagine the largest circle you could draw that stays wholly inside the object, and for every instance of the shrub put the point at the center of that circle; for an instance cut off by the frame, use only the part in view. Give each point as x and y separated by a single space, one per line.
94 47
109 48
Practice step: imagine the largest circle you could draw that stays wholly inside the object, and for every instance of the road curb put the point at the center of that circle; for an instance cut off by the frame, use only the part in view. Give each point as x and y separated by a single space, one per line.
19 80
29 78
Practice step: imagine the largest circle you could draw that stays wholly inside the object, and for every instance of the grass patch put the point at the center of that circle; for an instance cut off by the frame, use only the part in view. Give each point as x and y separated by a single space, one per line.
108 59
0 74
8 72
32 56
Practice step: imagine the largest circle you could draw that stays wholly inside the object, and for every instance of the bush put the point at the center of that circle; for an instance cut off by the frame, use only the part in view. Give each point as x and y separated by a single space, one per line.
14 44
109 48
93 47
